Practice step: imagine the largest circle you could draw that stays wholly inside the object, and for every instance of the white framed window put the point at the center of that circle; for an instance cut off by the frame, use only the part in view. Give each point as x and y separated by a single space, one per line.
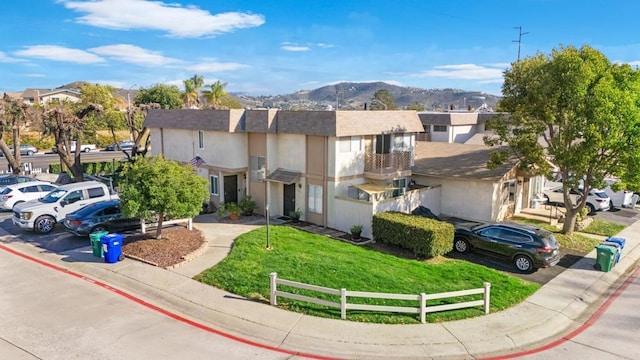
213 184
314 199
257 167
200 139
350 143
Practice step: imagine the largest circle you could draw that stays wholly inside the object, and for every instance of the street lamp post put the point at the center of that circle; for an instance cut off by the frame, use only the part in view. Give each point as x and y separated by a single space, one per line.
129 97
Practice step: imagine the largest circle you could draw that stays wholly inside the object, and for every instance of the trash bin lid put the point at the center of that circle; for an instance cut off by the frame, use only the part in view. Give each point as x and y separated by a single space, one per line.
607 248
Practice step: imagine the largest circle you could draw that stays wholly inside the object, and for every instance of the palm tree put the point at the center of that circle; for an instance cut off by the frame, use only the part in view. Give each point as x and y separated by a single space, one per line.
215 94
198 83
190 96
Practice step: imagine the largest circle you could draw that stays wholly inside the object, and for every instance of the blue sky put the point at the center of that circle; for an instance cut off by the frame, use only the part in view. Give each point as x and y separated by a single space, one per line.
272 47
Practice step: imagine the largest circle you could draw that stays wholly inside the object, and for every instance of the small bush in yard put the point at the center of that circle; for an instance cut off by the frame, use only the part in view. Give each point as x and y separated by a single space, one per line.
425 237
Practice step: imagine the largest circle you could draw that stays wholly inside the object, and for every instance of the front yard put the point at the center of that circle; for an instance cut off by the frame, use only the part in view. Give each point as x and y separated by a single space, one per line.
315 259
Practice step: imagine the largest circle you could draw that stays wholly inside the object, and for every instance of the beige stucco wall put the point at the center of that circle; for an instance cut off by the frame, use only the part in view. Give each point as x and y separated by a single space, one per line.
474 200
460 134
345 163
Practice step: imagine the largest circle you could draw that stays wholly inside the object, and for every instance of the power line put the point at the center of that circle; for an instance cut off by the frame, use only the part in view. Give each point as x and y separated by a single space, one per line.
519 41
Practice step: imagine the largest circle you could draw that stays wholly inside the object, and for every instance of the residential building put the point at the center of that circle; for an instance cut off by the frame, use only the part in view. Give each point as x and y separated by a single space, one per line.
469 189
454 126
44 96
337 167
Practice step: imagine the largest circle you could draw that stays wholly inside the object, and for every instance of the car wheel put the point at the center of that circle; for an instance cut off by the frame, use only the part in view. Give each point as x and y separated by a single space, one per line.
461 245
29 152
523 263
592 209
100 228
85 150
44 224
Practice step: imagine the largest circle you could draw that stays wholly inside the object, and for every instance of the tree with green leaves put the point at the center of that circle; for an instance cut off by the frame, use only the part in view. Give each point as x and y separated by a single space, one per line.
383 100
14 116
157 187
215 94
168 96
416 107
578 110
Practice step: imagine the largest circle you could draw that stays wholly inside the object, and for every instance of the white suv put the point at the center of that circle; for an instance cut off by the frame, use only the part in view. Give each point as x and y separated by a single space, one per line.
15 194
597 200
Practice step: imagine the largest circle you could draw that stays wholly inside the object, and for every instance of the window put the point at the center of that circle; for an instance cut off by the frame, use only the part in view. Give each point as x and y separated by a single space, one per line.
355 193
401 141
350 144
315 199
214 184
401 185
439 128
95 192
383 144
73 197
30 189
201 139
257 165
508 191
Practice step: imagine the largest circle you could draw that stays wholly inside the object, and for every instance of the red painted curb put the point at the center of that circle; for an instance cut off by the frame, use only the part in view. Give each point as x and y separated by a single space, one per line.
594 317
160 310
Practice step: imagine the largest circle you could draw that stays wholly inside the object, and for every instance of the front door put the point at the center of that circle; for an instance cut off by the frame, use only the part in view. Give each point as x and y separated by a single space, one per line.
231 189
289 199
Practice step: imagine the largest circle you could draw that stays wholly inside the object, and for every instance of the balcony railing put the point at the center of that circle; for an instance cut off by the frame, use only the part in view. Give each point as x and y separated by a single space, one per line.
387 163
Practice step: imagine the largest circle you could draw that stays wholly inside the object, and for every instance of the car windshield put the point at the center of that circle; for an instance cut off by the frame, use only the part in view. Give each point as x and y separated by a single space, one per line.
53 196
89 209
8 180
5 191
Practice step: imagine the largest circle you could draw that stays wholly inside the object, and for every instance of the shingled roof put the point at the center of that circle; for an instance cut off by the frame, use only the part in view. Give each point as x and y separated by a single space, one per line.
321 123
453 160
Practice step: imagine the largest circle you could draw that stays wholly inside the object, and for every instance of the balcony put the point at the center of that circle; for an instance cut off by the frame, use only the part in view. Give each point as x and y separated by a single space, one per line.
387 166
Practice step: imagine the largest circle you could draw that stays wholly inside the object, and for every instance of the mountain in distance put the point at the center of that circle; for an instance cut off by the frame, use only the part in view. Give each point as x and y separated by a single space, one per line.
354 96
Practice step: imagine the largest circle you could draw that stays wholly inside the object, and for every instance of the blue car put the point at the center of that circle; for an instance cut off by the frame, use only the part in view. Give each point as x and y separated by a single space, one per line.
100 216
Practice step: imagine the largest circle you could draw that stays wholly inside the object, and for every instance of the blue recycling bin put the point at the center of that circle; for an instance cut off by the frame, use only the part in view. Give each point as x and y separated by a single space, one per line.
617 240
112 247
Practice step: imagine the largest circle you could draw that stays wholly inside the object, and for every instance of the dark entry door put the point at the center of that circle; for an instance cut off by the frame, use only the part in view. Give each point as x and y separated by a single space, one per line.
289 199
231 189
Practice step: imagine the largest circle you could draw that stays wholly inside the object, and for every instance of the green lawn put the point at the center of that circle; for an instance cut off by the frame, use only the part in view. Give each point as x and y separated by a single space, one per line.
318 260
576 241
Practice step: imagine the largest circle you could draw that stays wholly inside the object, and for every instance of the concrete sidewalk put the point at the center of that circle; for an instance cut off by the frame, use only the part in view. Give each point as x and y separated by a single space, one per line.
556 309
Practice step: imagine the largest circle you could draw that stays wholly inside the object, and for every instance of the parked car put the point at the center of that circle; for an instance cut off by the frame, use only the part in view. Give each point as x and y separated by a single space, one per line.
597 200
83 147
123 145
25 149
11 179
41 215
15 194
528 247
100 216
621 198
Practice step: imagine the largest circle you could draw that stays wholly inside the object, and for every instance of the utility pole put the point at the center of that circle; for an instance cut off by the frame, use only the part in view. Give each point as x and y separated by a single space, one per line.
519 41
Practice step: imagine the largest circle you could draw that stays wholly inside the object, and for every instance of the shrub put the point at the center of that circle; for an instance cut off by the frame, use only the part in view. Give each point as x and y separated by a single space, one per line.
425 237
247 205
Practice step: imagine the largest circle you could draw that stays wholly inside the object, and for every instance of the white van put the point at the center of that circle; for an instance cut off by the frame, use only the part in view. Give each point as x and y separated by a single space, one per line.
620 198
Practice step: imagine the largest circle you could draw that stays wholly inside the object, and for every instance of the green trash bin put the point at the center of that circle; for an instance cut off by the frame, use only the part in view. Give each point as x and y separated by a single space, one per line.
605 258
96 245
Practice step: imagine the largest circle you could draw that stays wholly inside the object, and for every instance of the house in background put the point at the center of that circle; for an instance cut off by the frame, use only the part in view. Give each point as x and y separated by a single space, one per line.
338 168
469 189
44 96
454 126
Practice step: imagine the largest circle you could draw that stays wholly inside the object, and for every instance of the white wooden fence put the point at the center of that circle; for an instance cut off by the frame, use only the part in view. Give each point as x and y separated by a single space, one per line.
148 226
422 298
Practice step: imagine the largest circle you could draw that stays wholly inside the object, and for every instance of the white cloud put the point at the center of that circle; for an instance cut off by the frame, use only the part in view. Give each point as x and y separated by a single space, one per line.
59 53
178 21
213 66
324 45
134 55
35 75
295 48
4 58
463 72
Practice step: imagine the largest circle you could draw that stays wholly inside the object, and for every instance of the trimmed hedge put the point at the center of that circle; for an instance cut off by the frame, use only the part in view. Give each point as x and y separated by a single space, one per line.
425 237
93 168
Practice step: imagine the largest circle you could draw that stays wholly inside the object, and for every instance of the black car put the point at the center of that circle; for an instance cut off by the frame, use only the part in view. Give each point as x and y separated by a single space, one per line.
100 216
528 247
